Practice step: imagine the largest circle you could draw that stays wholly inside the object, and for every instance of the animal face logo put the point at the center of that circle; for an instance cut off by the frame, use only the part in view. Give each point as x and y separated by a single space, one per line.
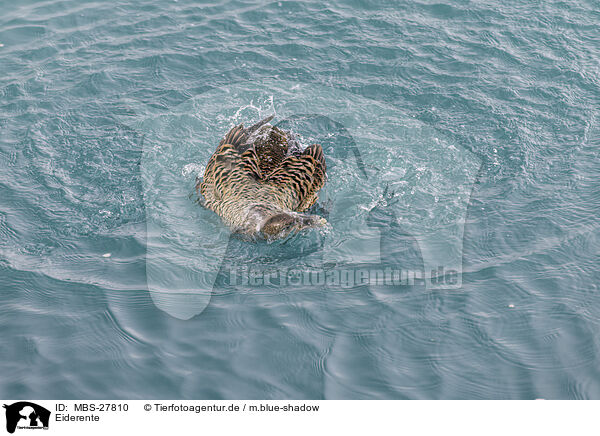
24 414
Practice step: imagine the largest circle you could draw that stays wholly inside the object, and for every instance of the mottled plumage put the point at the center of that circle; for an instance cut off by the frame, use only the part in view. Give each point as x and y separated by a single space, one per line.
259 181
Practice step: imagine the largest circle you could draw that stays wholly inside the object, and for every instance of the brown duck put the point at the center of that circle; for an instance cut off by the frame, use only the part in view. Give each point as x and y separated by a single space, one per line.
259 181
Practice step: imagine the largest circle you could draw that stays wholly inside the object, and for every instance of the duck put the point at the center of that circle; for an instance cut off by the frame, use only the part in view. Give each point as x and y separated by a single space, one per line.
261 182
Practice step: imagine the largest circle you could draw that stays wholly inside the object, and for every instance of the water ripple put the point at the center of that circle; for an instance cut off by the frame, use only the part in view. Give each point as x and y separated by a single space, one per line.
515 84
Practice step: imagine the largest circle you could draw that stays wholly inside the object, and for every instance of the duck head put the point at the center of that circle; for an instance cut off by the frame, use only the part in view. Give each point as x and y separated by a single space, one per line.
282 224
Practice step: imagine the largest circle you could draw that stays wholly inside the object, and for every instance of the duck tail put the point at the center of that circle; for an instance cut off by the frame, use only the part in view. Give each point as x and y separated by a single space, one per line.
258 125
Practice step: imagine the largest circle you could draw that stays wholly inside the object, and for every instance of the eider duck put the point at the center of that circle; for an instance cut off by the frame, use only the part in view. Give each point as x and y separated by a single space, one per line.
259 181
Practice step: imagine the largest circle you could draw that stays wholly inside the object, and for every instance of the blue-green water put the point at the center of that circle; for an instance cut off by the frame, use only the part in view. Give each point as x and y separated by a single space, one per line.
464 134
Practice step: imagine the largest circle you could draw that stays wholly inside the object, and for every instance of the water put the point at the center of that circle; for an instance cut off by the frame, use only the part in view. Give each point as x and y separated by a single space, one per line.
466 134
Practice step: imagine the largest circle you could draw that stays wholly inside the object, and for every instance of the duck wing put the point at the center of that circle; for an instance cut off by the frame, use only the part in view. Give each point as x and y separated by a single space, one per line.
231 164
300 177
229 173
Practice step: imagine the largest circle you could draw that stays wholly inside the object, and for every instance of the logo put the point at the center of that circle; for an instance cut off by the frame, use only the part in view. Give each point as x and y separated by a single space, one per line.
26 415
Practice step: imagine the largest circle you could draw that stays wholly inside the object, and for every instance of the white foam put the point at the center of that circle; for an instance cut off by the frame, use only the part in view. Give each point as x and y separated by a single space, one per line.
192 168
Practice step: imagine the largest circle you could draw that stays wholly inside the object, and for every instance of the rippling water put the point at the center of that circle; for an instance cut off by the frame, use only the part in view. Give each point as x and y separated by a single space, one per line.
102 114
